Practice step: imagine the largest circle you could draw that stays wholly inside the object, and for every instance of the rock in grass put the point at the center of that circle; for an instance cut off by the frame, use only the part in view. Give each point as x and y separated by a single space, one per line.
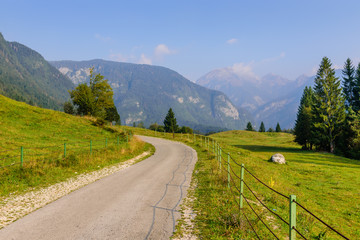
278 158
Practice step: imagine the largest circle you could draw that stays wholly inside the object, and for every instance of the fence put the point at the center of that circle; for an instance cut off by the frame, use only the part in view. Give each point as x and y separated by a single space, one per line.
239 196
23 155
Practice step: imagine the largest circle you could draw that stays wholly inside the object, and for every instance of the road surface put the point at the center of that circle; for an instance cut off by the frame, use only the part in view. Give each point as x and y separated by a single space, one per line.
139 202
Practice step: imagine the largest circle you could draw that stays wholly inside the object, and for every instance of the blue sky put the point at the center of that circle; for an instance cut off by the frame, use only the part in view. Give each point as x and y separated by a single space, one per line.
192 37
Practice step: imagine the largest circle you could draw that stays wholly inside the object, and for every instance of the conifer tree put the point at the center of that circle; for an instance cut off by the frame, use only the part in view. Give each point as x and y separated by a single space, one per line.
249 127
170 124
349 83
303 122
329 108
356 104
262 127
278 128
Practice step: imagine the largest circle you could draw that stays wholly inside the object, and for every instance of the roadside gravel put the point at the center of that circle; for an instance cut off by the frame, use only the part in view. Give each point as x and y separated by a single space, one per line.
15 207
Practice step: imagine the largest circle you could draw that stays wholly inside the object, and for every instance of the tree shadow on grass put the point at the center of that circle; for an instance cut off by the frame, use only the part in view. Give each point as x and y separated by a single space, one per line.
261 148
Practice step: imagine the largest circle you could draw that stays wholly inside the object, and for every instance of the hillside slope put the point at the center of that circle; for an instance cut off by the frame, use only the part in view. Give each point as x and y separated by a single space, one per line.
145 93
26 76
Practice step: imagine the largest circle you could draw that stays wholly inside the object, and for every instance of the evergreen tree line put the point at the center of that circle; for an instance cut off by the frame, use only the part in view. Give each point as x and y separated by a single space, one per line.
249 127
328 117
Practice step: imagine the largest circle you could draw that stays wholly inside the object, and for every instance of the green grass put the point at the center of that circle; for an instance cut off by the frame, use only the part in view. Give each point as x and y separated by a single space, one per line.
42 134
325 184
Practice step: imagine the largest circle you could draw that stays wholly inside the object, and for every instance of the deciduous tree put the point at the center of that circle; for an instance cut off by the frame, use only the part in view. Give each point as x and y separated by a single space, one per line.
93 99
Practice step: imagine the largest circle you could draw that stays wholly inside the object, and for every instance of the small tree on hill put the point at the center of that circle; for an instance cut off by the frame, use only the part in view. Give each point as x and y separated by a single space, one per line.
170 124
270 130
262 127
69 108
95 98
112 115
278 128
249 127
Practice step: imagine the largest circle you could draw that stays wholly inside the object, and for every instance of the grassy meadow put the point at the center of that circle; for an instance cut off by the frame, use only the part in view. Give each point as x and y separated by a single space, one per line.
325 184
42 133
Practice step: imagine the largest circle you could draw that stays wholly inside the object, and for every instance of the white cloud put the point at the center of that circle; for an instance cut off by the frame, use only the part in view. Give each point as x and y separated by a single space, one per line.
145 60
232 41
244 70
102 38
162 50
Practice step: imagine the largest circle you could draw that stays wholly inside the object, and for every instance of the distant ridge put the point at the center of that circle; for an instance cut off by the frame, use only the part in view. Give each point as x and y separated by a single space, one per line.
270 99
144 93
26 76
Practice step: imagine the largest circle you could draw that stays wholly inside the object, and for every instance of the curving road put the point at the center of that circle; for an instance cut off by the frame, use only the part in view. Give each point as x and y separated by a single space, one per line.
140 202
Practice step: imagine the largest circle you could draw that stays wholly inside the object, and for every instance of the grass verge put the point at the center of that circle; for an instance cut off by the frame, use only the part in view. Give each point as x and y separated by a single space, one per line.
56 146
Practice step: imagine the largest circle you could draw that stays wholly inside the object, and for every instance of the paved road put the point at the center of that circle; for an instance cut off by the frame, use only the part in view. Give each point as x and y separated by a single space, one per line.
139 202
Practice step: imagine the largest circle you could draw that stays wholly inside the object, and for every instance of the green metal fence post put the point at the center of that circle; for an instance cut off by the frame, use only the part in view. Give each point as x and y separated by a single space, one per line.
64 150
21 156
118 140
127 138
105 142
90 147
228 163
241 186
220 157
292 218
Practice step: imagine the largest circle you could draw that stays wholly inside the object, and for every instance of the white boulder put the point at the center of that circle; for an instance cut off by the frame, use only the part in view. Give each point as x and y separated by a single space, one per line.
278 158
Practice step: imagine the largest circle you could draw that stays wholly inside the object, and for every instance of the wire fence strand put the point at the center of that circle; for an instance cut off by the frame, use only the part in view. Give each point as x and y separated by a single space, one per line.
260 218
331 228
219 157
281 194
265 205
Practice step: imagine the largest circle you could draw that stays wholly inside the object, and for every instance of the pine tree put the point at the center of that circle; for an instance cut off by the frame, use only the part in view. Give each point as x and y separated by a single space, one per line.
349 83
329 108
278 128
249 127
170 124
262 127
356 104
303 122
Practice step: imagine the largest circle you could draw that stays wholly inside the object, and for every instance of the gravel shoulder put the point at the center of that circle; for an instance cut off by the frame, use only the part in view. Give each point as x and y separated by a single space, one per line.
15 207
140 202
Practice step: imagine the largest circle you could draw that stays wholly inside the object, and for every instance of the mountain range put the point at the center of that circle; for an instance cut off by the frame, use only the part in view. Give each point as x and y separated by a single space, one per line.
144 93
26 76
270 99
